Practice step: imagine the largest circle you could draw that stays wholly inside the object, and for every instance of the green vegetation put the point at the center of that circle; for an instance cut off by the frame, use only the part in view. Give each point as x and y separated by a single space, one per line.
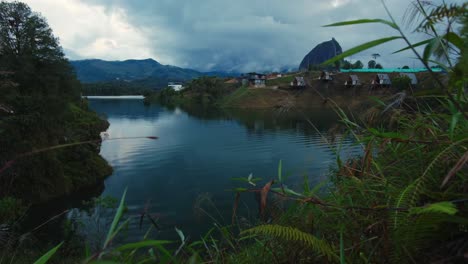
401 83
114 88
41 107
206 91
281 81
404 200
348 65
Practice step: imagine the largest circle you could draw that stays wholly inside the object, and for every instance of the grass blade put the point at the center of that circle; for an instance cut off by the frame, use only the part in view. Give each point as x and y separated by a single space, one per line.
414 45
280 168
48 255
142 244
342 253
116 220
361 48
363 21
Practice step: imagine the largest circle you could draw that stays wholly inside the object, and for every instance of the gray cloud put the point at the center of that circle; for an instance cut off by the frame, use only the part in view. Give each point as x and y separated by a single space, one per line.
239 35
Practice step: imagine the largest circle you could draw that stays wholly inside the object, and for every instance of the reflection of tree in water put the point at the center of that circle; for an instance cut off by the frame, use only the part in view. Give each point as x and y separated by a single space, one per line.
54 221
259 121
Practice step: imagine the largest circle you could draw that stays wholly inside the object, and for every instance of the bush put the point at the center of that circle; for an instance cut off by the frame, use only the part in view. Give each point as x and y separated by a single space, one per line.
402 82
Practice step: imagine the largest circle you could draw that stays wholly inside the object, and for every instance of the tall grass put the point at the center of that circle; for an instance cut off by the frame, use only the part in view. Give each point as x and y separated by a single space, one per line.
404 200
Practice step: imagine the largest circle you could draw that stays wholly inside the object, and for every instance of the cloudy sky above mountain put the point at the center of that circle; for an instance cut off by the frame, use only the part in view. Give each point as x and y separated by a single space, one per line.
240 35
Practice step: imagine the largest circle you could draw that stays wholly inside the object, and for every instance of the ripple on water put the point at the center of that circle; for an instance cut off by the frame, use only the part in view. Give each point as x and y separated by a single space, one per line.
192 164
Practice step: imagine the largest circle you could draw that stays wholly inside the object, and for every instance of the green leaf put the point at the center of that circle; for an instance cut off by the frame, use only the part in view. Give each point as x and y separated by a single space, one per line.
241 190
453 123
116 220
430 48
142 244
455 39
363 21
360 48
87 250
440 64
441 208
392 135
342 253
377 100
317 187
280 168
414 45
305 185
48 255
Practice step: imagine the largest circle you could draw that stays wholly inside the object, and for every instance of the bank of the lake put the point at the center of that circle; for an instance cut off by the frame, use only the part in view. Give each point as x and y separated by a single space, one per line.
279 94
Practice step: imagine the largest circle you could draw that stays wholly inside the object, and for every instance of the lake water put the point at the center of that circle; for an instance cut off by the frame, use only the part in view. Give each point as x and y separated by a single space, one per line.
185 178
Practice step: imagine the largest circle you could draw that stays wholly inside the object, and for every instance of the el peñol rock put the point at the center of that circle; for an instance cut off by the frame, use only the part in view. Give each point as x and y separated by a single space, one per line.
322 52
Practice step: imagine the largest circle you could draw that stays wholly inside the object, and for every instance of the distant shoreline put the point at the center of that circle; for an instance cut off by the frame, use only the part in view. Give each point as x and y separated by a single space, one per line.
136 97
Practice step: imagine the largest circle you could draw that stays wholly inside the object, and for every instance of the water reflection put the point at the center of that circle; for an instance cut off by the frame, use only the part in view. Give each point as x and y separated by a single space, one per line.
200 150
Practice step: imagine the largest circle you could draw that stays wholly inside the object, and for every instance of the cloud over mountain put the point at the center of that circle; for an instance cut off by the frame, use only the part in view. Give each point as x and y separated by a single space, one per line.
216 34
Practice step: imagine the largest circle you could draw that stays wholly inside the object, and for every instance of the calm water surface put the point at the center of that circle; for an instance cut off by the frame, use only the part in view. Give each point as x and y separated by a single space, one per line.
199 151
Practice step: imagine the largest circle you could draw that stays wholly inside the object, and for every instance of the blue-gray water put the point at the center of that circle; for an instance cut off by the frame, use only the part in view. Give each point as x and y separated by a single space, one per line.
198 153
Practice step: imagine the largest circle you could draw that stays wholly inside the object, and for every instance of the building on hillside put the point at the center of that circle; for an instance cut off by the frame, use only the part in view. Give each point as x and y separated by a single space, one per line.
232 81
353 80
298 82
175 86
381 80
411 76
273 76
326 76
254 79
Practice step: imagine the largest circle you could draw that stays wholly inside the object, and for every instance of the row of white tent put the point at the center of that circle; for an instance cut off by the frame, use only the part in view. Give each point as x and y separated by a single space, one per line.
381 79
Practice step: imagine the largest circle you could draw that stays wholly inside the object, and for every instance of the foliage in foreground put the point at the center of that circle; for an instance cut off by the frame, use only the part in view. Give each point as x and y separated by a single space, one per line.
403 201
40 106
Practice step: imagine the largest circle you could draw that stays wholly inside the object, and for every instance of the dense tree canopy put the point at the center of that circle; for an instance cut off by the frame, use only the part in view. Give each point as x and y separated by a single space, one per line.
358 65
346 65
29 49
40 88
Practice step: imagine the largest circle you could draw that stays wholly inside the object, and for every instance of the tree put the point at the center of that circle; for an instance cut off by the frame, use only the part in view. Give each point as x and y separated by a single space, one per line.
24 33
48 111
28 48
358 65
371 64
346 65
405 67
378 66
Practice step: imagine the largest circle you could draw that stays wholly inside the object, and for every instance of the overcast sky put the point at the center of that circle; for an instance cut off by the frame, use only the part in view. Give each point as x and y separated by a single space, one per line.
237 35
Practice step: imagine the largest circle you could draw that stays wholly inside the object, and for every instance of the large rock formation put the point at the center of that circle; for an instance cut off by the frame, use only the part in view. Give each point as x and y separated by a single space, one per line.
321 53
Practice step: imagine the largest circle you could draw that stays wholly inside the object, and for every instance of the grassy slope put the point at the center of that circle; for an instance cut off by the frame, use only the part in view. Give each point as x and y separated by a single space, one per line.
314 95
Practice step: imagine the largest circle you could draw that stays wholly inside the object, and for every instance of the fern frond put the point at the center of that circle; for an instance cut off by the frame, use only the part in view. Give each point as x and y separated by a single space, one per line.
420 182
293 234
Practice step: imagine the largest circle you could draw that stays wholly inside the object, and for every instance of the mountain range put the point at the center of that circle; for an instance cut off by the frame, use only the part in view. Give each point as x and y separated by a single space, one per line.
147 73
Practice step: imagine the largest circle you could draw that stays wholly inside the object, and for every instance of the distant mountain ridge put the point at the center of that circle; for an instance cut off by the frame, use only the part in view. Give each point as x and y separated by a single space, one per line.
321 53
95 70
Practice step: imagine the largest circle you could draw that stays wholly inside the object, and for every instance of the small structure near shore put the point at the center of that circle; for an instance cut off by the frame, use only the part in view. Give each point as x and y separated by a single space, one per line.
381 80
325 76
352 81
175 86
254 79
273 76
298 82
